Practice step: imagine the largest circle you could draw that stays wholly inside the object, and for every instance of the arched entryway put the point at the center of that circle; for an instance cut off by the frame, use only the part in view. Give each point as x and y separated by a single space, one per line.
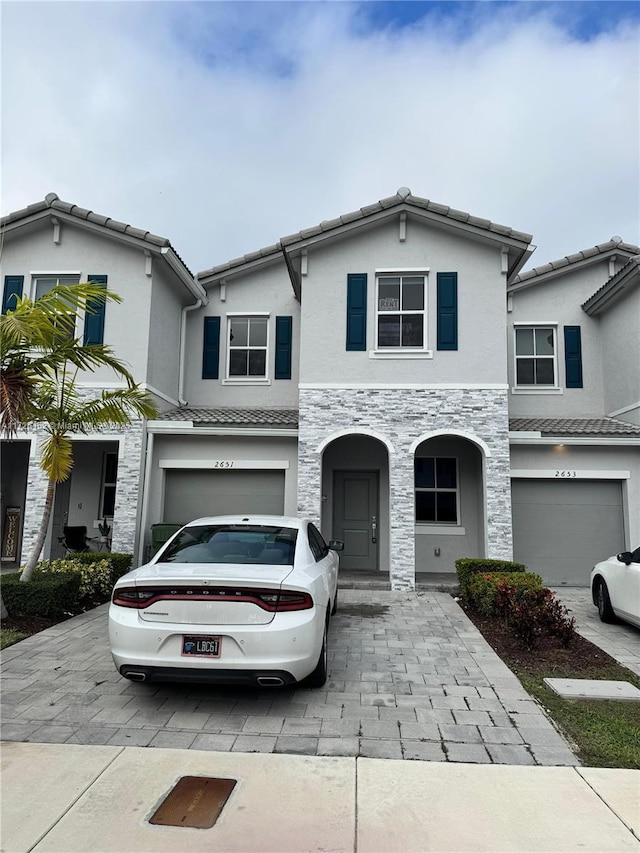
449 502
355 500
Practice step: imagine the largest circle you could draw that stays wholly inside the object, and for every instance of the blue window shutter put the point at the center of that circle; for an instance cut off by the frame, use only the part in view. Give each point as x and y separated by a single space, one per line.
447 310
357 311
284 327
211 348
12 288
573 356
94 321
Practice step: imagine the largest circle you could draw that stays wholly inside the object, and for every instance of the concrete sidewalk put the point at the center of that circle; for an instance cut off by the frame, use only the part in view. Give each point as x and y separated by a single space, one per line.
100 798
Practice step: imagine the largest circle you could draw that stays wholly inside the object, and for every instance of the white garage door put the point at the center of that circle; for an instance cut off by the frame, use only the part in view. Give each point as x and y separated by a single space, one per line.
561 528
193 494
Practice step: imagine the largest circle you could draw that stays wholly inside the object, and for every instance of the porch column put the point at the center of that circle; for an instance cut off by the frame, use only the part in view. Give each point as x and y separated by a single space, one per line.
401 521
130 474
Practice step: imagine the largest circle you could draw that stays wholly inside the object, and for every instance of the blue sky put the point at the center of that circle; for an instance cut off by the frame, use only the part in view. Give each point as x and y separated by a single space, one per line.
225 126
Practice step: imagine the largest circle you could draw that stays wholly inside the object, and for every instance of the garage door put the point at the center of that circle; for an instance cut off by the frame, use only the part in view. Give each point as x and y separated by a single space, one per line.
193 494
561 528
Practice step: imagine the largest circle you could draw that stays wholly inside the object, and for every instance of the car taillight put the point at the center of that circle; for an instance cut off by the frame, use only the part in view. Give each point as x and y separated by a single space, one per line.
132 597
272 600
278 601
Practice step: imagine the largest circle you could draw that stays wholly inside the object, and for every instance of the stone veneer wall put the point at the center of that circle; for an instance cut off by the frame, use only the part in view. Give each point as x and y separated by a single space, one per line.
401 416
128 486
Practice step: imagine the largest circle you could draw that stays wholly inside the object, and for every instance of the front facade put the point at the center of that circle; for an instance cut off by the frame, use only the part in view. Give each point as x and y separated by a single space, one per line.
392 375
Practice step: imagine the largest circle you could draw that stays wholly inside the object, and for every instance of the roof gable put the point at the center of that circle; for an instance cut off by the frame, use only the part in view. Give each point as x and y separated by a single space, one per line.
55 209
615 247
402 202
623 280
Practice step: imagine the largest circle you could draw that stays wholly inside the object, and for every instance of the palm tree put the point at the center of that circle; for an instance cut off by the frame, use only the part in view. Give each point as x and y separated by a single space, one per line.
41 359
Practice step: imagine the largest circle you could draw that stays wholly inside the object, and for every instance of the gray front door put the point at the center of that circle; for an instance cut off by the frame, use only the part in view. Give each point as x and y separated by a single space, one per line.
355 518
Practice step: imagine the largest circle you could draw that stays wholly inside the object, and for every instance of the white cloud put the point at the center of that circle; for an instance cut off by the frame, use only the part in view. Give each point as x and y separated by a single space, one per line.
226 126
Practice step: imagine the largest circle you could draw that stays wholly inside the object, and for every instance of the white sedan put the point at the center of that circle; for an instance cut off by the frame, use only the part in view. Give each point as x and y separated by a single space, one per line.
231 599
615 587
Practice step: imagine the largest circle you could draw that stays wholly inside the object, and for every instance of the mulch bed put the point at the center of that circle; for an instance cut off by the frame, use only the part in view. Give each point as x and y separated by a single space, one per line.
582 658
27 624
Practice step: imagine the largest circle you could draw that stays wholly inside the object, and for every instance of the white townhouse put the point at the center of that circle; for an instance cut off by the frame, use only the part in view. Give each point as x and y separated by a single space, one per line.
390 373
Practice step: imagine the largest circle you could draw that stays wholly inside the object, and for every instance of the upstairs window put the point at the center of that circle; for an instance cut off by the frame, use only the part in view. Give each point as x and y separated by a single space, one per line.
400 312
536 356
43 283
247 342
436 489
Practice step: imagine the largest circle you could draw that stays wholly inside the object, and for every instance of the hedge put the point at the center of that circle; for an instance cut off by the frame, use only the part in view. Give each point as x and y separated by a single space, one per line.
493 593
467 567
95 577
51 596
119 564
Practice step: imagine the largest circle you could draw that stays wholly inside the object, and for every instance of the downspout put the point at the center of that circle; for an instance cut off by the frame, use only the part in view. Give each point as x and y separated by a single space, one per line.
183 329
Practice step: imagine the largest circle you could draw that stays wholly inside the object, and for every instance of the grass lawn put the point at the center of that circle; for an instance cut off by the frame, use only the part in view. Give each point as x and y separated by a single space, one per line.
603 733
9 637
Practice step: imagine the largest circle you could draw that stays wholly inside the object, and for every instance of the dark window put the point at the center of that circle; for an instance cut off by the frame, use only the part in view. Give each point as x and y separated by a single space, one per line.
436 489
535 356
318 546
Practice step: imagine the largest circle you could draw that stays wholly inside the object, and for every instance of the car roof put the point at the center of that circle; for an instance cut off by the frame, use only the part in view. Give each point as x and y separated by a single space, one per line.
265 520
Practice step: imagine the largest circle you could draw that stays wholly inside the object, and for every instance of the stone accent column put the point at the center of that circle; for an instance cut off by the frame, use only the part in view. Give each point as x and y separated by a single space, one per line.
130 461
35 497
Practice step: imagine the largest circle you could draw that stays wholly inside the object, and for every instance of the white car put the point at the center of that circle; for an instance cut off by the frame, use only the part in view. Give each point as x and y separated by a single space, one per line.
230 599
615 587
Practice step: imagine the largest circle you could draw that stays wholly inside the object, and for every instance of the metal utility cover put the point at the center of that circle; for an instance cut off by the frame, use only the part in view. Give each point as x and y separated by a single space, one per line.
195 801
582 688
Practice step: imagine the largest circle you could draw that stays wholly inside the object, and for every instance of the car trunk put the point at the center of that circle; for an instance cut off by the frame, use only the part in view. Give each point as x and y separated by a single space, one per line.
200 595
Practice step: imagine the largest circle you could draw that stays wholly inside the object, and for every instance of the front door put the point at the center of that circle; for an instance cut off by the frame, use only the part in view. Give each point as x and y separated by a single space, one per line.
355 518
59 518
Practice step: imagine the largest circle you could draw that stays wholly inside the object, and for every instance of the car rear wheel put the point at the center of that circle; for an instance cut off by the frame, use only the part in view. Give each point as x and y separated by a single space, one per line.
319 674
605 611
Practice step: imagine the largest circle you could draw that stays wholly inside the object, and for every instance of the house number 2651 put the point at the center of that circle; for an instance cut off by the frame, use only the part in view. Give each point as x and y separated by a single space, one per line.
223 463
566 474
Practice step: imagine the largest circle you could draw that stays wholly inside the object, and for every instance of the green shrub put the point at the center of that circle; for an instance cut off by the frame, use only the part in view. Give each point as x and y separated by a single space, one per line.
119 564
493 593
467 567
95 577
49 595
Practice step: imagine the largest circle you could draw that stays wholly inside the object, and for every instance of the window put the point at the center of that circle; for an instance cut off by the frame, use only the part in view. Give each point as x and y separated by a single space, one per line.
536 355
400 312
436 486
247 347
42 284
109 480
317 544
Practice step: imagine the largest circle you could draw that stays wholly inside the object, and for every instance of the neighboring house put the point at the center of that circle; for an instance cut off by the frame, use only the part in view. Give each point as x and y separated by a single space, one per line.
574 377
54 242
391 374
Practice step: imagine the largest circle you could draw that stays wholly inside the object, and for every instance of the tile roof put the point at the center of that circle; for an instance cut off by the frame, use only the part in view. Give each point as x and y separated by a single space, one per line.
615 243
615 282
403 196
53 203
574 426
287 418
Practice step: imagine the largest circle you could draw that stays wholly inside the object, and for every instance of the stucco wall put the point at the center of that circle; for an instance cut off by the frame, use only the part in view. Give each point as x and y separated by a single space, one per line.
559 301
127 325
266 290
168 298
481 354
619 326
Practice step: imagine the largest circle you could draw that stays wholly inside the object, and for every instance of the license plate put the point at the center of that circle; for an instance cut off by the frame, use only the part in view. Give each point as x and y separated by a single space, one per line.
201 646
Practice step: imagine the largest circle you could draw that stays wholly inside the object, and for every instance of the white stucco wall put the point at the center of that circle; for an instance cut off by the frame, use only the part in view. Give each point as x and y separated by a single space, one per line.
265 290
481 354
169 296
619 325
558 301
127 325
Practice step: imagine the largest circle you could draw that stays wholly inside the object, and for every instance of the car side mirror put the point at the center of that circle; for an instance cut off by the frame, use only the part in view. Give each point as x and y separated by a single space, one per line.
625 557
336 545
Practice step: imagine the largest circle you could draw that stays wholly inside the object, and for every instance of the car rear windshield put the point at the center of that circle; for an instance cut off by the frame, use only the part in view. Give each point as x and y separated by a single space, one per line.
229 543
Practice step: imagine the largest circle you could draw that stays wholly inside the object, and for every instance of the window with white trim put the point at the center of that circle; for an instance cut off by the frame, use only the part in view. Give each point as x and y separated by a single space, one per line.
247 347
436 489
535 352
401 312
43 283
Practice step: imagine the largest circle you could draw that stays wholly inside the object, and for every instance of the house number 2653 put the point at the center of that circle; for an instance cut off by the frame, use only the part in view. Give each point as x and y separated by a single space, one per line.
566 474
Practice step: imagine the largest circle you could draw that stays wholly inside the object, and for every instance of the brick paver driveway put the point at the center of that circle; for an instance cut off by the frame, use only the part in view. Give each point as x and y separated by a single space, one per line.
410 677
